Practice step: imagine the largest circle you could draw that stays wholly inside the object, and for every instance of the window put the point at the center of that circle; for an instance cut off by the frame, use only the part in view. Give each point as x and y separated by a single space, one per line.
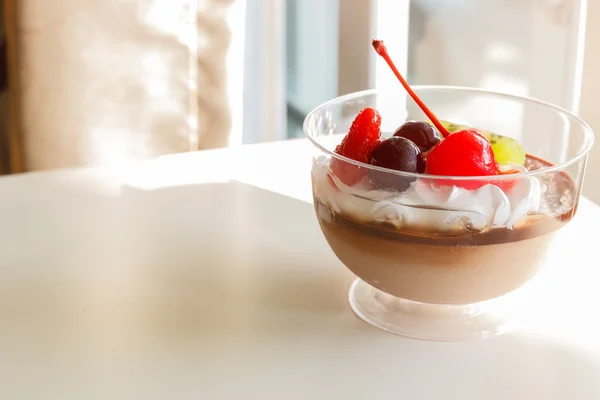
526 47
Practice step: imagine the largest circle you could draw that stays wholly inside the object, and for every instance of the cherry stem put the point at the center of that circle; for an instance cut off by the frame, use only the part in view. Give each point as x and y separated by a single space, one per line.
382 51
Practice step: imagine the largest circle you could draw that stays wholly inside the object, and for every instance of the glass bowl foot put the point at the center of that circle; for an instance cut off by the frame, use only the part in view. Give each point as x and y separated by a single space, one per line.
429 321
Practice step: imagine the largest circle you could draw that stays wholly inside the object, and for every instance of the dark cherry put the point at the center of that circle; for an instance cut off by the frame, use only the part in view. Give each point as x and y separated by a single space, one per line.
399 154
424 135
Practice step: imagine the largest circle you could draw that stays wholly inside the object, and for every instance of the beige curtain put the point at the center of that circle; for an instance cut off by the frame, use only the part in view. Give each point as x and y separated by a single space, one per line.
102 82
11 149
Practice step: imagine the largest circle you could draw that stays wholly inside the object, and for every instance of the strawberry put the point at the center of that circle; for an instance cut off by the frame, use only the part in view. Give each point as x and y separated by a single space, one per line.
363 136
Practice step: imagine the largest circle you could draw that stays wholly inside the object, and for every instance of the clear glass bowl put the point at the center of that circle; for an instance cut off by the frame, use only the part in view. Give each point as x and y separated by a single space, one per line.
435 260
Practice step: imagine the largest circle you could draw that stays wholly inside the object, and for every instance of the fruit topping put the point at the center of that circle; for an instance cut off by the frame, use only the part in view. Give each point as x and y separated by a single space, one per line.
400 154
363 136
424 135
463 153
506 150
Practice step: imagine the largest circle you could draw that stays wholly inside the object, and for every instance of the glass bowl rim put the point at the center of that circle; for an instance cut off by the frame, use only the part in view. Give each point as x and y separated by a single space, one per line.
587 145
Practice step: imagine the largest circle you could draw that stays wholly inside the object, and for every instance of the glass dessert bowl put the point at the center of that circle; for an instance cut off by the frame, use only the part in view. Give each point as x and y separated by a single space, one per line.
441 225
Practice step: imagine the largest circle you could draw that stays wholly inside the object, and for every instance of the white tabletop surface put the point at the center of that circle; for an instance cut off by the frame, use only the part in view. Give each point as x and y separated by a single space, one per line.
206 276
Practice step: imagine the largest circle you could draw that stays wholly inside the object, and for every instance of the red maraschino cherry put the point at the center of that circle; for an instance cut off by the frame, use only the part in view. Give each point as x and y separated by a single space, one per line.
463 153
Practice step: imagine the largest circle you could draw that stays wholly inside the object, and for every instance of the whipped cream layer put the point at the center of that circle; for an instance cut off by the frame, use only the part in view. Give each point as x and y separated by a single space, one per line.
425 205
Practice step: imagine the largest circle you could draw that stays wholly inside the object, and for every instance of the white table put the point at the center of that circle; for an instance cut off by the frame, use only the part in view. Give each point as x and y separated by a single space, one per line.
206 276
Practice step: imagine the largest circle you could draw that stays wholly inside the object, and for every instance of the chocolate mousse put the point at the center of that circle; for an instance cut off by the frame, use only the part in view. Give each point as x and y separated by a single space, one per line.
461 266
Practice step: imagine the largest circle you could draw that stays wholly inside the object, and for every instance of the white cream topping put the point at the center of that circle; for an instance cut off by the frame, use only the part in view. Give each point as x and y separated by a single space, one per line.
427 205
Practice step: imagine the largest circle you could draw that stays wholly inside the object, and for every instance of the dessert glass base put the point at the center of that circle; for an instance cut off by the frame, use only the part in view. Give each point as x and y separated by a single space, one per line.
430 321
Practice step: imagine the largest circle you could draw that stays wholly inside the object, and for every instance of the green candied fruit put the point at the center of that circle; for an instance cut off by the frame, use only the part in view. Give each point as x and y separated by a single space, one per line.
506 150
